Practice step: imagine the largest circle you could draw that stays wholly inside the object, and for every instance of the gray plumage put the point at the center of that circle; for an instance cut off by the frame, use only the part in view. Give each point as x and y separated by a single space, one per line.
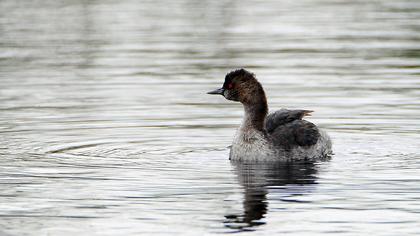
282 117
287 129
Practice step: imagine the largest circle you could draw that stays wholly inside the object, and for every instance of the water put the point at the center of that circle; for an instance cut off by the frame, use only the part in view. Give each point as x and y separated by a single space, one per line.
105 127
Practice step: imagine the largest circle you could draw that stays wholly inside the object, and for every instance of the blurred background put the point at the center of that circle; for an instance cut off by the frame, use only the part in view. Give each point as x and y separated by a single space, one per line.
105 127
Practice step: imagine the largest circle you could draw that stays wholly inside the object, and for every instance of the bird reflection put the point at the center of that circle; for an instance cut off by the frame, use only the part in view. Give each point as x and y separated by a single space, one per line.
257 179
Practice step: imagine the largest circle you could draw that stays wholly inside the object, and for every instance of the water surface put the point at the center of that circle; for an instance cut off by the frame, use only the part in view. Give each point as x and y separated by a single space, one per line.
105 127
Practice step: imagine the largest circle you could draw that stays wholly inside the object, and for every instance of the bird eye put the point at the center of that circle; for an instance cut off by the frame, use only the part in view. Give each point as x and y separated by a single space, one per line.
230 86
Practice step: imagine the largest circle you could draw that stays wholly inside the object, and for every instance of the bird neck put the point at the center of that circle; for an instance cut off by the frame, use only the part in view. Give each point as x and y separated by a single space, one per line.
255 112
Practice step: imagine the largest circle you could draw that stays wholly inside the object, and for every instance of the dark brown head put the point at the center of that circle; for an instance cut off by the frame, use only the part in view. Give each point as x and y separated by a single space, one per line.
241 86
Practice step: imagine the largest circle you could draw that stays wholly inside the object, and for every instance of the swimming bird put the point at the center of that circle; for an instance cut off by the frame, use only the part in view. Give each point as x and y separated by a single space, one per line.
280 136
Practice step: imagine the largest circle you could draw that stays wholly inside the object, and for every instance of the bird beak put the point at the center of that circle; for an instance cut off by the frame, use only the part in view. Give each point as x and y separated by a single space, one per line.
217 91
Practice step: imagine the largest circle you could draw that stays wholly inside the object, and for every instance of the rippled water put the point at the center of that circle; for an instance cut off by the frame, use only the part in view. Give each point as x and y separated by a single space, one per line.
105 127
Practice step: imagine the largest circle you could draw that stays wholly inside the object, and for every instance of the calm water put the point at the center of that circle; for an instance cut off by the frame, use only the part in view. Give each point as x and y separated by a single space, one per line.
105 127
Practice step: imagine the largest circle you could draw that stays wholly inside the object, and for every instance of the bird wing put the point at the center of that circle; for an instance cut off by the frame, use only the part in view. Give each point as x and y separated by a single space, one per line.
287 128
282 117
